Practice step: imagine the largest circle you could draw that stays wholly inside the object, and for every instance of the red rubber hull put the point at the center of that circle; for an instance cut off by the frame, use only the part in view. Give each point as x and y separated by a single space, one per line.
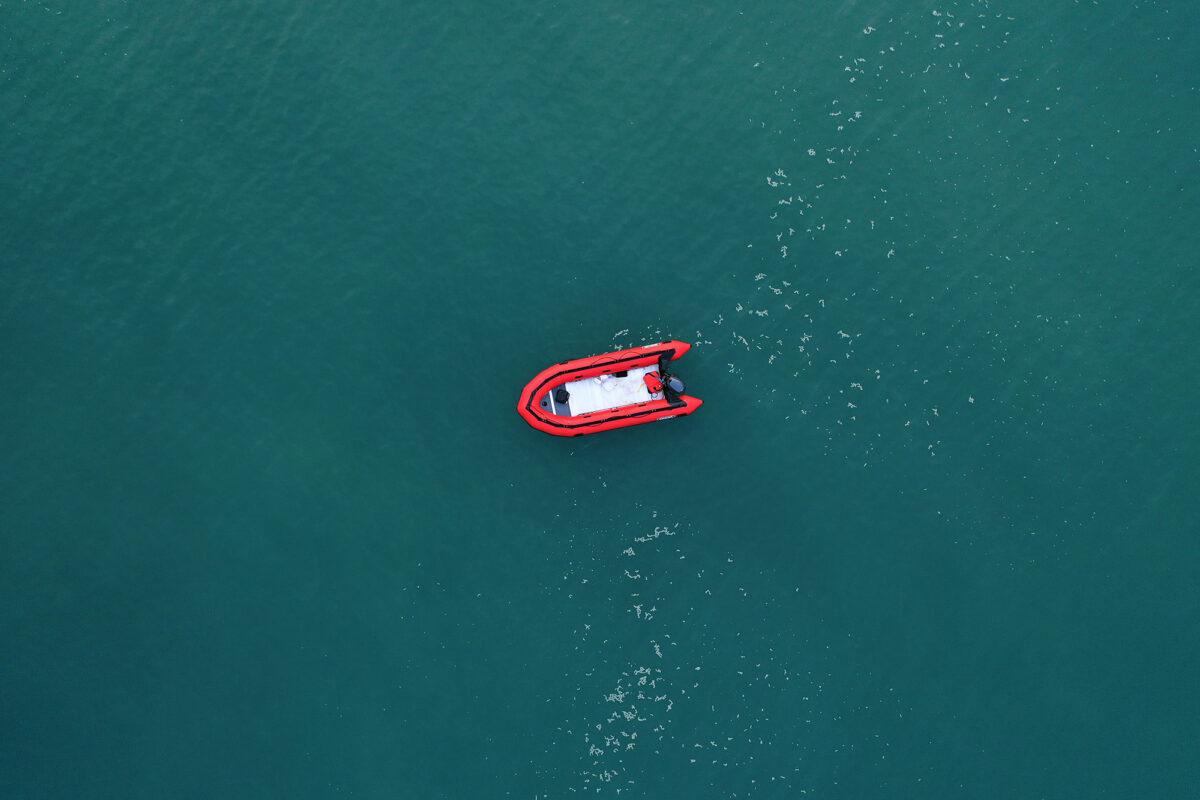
594 422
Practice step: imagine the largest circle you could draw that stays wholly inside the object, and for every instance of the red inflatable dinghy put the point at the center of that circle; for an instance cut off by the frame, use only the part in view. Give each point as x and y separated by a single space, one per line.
615 390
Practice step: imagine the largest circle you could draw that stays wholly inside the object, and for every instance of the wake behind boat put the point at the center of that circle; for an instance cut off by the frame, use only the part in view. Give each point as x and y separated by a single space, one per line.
614 390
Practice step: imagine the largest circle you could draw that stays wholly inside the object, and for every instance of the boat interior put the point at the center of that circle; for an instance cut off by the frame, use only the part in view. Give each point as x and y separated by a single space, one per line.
600 393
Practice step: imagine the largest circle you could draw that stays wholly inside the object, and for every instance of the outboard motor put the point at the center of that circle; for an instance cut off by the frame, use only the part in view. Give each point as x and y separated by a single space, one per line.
675 385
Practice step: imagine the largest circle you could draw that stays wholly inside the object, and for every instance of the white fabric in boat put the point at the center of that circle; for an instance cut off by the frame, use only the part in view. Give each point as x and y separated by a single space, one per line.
609 391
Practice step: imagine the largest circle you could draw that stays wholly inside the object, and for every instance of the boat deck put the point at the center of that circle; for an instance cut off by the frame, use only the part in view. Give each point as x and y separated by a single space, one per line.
602 393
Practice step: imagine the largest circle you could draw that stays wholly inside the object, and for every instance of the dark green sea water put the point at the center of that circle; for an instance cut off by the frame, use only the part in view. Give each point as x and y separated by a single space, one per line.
273 275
